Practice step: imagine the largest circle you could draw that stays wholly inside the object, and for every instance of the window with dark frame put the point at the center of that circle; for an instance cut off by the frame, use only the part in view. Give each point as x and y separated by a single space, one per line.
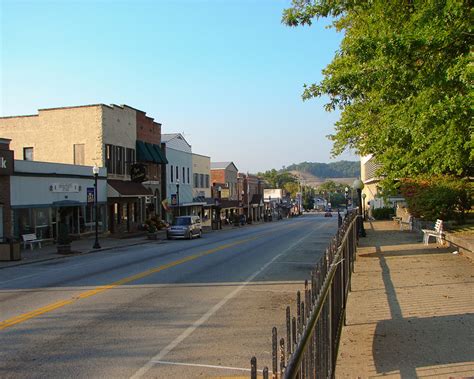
188 175
28 153
172 174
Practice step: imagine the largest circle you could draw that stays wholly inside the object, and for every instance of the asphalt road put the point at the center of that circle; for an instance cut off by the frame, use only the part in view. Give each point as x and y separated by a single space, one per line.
176 309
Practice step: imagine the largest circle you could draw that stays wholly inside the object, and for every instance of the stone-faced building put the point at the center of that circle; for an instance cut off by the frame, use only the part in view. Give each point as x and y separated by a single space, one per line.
89 135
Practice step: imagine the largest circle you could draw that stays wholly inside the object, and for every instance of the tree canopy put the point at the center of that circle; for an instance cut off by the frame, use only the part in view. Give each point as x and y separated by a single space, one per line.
402 79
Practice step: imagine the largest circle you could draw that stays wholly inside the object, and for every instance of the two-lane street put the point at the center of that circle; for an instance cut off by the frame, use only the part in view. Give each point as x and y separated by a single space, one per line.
175 309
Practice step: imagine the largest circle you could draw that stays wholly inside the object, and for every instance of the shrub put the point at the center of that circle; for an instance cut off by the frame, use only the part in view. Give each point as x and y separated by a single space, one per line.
384 213
443 197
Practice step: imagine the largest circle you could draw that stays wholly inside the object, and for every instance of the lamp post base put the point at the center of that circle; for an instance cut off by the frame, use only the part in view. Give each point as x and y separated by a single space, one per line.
96 245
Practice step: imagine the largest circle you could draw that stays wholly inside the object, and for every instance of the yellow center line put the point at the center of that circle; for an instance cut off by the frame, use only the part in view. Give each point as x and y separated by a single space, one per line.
59 304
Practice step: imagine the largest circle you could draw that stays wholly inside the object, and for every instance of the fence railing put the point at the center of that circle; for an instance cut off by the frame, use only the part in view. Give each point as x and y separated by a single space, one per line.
312 334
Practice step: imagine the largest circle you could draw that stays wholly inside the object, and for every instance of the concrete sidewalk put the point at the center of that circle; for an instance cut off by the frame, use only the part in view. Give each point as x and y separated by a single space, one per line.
411 310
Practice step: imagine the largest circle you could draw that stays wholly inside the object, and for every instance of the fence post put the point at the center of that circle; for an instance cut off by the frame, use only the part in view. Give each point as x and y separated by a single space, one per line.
274 353
253 368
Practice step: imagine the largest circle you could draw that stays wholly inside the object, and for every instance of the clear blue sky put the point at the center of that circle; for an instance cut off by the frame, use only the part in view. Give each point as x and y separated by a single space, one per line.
226 73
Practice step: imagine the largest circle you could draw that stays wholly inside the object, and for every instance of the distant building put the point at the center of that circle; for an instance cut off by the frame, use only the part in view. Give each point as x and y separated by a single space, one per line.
201 176
368 170
178 185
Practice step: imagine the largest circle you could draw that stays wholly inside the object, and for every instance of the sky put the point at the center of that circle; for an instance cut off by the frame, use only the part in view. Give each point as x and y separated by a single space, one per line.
227 74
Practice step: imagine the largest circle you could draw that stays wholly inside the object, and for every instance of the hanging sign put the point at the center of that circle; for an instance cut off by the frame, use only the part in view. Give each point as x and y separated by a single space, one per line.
90 195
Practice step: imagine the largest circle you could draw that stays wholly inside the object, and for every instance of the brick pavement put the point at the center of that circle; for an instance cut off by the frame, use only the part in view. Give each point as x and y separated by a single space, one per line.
411 310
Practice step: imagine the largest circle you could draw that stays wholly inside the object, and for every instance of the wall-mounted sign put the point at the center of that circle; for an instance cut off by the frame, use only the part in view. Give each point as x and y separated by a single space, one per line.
65 187
90 195
173 199
6 162
225 193
138 172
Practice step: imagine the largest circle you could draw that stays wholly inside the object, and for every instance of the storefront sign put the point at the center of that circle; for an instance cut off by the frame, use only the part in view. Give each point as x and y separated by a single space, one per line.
138 172
90 195
6 162
225 193
65 187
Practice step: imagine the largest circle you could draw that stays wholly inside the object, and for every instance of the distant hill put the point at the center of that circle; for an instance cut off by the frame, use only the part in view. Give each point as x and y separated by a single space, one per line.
341 169
314 181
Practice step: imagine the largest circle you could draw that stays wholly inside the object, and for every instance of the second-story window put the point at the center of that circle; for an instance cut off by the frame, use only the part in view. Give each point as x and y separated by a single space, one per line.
28 153
172 174
184 177
177 173
188 175
79 154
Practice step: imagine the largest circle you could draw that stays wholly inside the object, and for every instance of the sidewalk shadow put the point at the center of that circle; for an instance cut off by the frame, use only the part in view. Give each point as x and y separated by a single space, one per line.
408 344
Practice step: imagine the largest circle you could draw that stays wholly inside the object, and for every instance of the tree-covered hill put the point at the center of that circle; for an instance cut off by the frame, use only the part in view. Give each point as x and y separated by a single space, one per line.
341 169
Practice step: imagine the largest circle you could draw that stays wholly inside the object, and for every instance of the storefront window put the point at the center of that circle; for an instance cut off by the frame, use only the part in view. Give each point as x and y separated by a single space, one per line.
42 223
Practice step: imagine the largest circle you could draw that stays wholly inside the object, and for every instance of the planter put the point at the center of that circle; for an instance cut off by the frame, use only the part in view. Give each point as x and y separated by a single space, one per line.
64 249
10 251
152 236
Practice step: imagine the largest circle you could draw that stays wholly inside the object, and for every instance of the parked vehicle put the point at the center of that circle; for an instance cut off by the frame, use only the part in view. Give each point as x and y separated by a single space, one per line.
327 214
185 227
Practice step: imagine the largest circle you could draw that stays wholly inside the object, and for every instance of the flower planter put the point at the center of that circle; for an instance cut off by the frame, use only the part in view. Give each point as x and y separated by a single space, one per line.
64 249
10 251
152 236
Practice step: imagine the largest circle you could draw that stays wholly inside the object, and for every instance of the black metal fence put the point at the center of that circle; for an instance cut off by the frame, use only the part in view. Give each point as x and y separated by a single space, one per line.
309 347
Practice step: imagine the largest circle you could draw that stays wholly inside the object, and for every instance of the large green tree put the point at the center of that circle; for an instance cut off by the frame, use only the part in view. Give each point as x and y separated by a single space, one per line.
402 79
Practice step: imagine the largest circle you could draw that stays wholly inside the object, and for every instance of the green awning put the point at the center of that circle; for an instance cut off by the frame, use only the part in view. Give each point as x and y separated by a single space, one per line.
143 155
148 152
161 155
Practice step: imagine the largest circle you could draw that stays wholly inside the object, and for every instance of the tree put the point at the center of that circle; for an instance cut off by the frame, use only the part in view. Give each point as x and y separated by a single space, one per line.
277 179
402 81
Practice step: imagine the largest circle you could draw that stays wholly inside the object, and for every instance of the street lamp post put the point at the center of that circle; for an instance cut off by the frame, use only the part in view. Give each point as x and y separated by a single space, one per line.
358 185
346 191
177 196
363 203
95 171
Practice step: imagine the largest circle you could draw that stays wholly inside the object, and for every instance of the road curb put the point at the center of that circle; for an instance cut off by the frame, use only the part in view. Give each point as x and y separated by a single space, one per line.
21 263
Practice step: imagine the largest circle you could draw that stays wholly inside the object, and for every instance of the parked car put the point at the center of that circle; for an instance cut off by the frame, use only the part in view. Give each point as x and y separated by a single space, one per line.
185 227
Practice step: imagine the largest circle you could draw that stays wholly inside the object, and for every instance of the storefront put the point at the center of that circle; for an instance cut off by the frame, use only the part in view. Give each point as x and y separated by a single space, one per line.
6 169
43 195
127 205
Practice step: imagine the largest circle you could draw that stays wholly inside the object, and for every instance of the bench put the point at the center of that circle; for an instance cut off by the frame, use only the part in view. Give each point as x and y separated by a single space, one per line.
30 239
404 220
437 232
